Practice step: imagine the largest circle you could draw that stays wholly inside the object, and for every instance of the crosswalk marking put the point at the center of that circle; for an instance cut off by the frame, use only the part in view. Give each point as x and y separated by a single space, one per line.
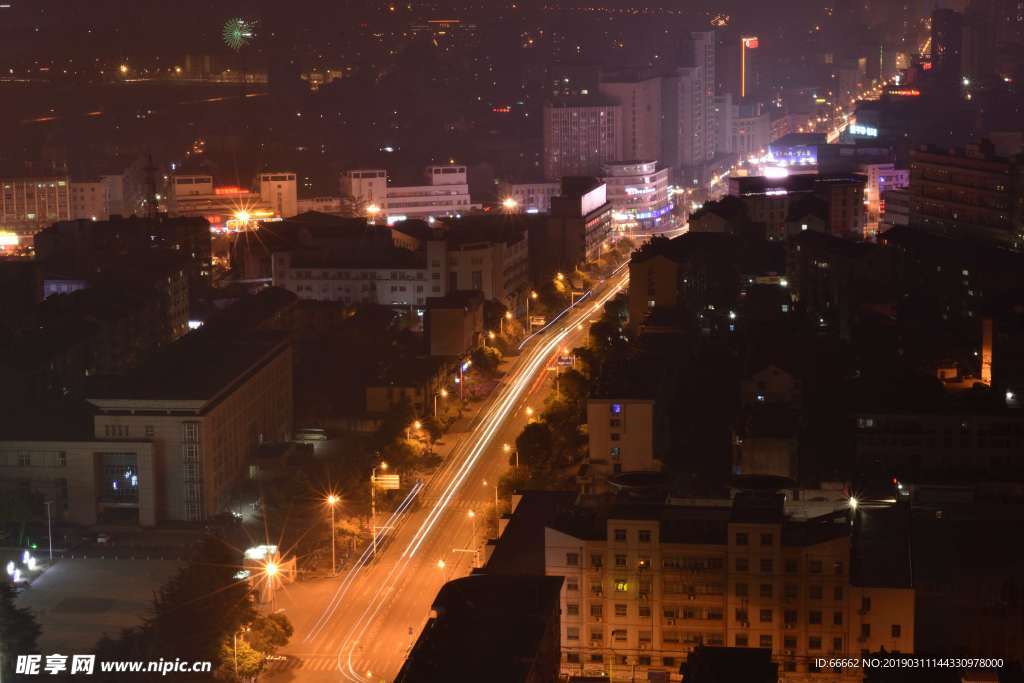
306 663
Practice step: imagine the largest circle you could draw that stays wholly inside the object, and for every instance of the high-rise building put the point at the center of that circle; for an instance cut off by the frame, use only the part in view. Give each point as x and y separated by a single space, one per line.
704 47
640 100
748 74
947 45
580 134
688 98
993 37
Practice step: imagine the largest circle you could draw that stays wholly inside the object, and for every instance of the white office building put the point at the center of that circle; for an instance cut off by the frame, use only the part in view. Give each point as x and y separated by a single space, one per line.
280 190
445 193
638 193
530 197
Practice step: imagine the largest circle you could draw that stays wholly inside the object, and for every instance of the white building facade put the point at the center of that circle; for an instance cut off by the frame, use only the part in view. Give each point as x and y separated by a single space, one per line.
638 193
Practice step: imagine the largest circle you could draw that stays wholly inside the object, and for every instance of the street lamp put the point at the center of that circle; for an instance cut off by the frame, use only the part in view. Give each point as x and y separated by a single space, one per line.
509 204
444 569
372 211
495 496
373 505
508 449
501 322
533 295
270 571
333 500
529 412
443 394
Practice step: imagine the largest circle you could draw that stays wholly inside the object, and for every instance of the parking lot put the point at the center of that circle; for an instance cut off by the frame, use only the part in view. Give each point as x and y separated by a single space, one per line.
76 601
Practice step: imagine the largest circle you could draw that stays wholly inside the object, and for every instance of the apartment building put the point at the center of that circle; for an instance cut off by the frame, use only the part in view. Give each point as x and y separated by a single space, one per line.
27 205
644 584
620 435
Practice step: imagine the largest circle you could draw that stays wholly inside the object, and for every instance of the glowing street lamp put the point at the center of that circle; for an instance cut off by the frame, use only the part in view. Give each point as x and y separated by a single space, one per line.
495 495
332 501
443 566
509 204
533 295
270 570
373 505
529 411
372 211
443 394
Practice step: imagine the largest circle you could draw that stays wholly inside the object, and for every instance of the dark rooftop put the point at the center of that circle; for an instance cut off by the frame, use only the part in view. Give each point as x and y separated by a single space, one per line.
376 256
196 367
521 547
494 628
460 298
494 227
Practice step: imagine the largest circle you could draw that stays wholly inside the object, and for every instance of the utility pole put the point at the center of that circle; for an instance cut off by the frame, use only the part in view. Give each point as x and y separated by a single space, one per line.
49 527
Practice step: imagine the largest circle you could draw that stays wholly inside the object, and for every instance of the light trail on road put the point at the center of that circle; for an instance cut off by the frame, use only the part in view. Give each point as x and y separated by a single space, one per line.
339 594
452 480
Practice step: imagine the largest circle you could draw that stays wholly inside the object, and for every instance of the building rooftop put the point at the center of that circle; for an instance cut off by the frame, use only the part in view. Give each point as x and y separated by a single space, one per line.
488 628
521 547
728 208
801 182
797 139
370 257
926 245
494 227
460 298
197 367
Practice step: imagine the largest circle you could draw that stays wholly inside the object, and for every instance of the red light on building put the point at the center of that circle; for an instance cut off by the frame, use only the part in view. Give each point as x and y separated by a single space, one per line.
751 43
927 66
228 189
501 110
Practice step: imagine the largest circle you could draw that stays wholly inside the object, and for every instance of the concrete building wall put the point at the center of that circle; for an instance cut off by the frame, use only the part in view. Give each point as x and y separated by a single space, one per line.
579 137
653 284
634 602
280 190
641 116
67 473
621 434
89 200
200 449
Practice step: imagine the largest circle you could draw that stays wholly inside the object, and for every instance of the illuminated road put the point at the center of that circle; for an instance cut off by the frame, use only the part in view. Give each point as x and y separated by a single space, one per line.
364 622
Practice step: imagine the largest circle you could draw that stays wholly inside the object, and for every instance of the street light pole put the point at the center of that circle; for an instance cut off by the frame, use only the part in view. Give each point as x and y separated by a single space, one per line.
332 500
49 526
373 506
443 394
